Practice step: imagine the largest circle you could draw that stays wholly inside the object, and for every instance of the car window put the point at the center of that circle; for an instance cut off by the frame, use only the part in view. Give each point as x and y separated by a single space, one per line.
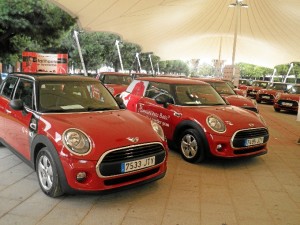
195 95
24 91
155 89
8 87
75 96
116 79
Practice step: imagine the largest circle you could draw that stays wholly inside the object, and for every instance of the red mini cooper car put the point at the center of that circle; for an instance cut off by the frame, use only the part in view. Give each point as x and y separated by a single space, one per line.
71 130
268 94
114 81
230 96
196 119
255 87
288 101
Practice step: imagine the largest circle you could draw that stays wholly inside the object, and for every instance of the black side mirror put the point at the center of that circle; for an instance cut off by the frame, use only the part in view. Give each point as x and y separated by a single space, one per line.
16 104
161 99
120 102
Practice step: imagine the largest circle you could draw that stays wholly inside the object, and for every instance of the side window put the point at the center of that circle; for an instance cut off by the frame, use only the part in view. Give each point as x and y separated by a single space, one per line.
8 87
24 92
154 89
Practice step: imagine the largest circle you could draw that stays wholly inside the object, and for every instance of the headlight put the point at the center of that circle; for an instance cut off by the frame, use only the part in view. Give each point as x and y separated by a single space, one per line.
157 128
216 124
76 141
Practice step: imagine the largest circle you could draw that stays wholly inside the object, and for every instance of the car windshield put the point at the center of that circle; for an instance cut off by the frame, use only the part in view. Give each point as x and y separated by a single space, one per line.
260 84
74 96
222 88
195 95
294 90
117 79
277 86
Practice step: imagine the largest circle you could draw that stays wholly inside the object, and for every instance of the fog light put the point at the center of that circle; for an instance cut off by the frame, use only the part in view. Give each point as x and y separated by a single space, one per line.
219 147
81 176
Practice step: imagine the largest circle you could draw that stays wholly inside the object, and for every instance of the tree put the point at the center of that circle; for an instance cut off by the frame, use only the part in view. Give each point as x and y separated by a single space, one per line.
30 25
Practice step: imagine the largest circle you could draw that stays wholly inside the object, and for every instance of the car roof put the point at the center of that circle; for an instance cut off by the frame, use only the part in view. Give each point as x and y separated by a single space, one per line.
115 73
172 80
52 77
215 80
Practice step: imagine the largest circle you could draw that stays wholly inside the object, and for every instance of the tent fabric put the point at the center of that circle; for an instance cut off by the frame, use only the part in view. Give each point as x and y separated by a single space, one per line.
267 32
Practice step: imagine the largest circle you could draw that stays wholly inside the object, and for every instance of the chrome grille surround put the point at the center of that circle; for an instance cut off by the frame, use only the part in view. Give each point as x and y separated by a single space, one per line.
113 158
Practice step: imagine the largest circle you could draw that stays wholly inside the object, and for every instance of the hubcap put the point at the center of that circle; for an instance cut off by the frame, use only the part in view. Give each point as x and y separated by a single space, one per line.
189 146
45 173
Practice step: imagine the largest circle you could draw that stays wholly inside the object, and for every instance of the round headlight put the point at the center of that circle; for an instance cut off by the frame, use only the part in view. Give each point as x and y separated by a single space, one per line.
76 141
158 129
216 124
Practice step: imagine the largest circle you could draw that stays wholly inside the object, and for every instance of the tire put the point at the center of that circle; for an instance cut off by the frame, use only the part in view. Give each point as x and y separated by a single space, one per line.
47 174
277 110
258 101
191 146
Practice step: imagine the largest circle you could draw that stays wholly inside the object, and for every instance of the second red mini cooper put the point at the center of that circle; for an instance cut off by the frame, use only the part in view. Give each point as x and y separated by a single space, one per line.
288 101
268 94
196 119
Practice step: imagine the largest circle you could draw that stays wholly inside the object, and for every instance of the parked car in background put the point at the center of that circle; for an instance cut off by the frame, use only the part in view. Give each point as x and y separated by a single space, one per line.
230 96
195 118
235 89
268 94
73 132
244 84
137 75
114 81
255 87
288 101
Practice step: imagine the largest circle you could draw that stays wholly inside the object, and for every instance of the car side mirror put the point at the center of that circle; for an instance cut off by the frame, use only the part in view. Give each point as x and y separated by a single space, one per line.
16 104
120 102
163 100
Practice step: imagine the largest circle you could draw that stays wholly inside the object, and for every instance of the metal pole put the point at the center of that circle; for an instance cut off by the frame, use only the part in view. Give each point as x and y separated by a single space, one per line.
151 64
119 53
138 59
79 51
235 79
291 66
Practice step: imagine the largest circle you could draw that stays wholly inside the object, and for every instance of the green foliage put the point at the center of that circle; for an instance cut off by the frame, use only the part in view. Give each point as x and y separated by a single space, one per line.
252 71
30 25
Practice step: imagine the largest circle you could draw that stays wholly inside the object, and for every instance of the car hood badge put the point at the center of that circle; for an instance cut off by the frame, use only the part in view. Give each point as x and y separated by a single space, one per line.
133 139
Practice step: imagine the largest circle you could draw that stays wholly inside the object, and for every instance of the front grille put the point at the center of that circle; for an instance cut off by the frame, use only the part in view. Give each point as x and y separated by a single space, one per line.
111 163
239 138
266 97
283 102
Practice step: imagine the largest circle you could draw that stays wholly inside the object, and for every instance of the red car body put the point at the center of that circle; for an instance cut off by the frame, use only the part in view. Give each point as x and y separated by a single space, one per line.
230 95
244 84
268 94
71 131
115 82
196 119
288 101
255 87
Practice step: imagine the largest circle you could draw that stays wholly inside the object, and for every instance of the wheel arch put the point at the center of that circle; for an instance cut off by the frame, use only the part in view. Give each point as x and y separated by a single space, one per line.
38 143
188 124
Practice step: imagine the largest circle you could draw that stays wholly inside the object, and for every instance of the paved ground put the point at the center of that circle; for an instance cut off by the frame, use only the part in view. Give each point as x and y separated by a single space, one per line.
264 190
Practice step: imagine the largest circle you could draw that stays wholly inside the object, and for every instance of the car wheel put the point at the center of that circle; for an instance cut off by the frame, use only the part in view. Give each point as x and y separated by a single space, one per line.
191 146
277 110
47 174
258 101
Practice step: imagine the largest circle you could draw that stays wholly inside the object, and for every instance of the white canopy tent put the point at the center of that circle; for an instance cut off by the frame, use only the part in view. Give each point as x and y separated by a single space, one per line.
267 33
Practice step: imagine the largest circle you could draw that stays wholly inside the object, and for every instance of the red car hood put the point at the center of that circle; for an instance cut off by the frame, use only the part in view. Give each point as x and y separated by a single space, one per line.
269 92
238 100
107 130
235 118
287 96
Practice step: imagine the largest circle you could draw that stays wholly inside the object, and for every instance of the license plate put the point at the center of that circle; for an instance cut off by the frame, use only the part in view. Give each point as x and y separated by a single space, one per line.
254 141
287 104
137 164
265 97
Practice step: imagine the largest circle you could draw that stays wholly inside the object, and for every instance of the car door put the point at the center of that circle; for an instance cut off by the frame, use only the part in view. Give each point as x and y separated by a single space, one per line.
165 115
17 121
6 95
